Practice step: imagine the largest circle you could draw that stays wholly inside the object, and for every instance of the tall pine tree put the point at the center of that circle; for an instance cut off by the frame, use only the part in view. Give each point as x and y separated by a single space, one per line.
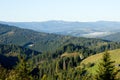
106 69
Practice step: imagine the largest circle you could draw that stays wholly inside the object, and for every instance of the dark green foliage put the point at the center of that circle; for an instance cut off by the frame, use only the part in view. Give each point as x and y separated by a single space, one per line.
13 50
51 43
21 71
9 53
51 65
68 62
106 69
63 68
8 62
35 73
3 73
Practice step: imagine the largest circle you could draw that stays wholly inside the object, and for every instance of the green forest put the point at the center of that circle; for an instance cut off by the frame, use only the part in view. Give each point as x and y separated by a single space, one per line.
31 55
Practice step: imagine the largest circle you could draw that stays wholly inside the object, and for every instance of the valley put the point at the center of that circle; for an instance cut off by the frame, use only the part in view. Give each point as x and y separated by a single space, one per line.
60 40
98 29
50 55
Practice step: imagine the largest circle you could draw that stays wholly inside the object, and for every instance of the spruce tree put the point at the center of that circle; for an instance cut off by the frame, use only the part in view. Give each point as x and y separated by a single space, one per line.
106 69
21 71
3 73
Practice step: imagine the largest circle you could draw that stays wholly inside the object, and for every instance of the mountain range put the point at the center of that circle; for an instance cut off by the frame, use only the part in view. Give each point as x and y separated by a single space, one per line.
50 54
97 29
47 42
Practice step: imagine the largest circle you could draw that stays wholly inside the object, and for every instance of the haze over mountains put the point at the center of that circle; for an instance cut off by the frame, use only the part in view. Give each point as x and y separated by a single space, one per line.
85 29
48 52
43 42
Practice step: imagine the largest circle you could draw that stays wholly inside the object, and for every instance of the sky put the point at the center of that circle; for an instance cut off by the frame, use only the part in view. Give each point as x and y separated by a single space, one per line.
67 10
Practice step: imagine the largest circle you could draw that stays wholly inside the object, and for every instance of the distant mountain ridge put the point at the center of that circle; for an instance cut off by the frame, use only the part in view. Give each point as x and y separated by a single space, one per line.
113 37
46 42
83 29
40 46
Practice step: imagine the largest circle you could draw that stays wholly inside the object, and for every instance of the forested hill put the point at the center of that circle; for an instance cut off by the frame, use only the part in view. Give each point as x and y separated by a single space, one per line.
9 54
60 54
49 43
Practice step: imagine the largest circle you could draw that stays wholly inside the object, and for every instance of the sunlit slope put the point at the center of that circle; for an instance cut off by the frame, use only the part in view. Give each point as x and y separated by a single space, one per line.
115 56
93 61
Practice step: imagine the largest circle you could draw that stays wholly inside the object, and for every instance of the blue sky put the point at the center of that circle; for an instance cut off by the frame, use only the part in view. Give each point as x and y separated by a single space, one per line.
68 10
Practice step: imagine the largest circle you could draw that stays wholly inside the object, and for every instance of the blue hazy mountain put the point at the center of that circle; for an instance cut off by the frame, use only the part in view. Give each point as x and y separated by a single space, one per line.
84 29
113 37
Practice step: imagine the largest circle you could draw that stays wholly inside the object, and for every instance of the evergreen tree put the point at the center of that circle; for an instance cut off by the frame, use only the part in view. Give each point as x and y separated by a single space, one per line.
107 69
3 73
21 71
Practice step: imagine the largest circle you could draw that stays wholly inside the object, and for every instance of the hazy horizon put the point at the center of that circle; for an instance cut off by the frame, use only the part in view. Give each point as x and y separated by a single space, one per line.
61 21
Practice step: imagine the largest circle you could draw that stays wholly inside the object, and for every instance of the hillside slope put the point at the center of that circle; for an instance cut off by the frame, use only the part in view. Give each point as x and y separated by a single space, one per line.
9 54
50 43
85 29
96 59
115 56
113 37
